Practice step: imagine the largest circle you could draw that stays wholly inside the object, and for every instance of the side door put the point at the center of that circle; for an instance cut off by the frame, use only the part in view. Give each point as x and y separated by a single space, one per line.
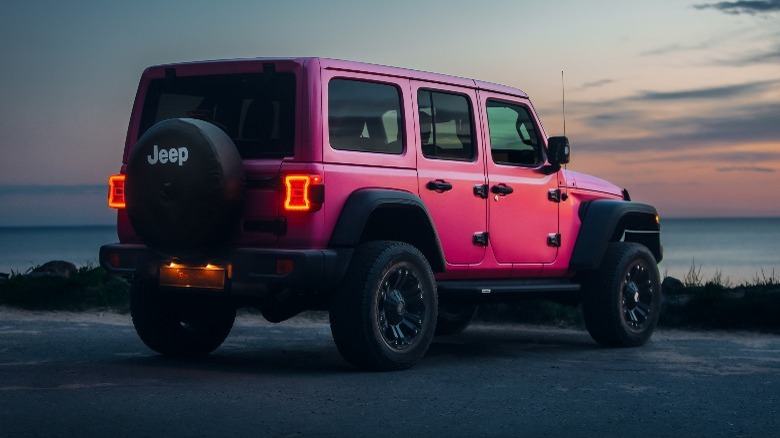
450 165
523 214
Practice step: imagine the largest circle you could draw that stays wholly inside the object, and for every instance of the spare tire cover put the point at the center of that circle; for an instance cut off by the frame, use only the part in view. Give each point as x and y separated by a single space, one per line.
184 187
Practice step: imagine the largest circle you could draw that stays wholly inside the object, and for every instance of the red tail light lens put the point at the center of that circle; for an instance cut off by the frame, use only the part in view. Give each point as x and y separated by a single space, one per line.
303 192
116 191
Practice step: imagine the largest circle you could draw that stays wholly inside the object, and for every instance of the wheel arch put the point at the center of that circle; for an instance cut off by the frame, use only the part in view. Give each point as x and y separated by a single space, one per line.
605 221
384 214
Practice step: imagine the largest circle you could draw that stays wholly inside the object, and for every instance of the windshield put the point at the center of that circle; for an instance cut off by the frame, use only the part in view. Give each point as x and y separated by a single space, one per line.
255 110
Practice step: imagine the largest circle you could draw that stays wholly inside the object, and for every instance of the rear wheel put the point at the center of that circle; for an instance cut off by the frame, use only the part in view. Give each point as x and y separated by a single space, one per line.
384 315
180 326
622 299
454 317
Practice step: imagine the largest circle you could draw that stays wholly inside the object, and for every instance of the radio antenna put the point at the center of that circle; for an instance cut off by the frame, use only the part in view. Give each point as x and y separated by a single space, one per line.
563 103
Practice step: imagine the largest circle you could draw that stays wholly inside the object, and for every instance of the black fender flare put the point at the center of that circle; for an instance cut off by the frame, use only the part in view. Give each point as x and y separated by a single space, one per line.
609 220
351 226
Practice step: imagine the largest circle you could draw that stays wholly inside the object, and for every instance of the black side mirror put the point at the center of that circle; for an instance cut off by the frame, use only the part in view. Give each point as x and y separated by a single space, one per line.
558 151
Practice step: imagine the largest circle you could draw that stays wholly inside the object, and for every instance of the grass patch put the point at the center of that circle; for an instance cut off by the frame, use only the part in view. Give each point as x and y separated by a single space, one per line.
695 302
536 312
87 288
718 303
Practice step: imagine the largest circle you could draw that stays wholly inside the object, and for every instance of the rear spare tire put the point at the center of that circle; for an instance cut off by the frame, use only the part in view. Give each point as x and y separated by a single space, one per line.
184 187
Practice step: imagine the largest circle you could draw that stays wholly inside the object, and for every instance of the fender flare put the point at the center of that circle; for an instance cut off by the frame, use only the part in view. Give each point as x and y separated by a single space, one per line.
362 204
608 220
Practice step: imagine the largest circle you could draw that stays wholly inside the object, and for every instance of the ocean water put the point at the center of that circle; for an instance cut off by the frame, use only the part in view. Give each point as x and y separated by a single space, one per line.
22 248
740 249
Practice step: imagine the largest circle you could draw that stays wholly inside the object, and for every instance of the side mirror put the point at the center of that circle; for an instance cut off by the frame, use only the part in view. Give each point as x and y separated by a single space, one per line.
558 151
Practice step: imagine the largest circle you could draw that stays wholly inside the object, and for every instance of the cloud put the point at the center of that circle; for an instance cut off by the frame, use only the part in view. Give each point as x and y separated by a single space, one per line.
51 190
713 157
721 92
737 125
675 48
746 169
743 7
596 84
609 118
768 56
745 157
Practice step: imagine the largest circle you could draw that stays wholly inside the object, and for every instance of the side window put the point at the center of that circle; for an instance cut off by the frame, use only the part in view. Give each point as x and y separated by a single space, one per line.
513 136
364 116
446 131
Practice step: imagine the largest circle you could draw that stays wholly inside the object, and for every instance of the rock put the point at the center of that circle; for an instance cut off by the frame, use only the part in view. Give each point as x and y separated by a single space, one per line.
54 268
671 285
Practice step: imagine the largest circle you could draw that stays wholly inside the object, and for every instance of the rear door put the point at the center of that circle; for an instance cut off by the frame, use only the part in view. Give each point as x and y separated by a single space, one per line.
450 167
255 109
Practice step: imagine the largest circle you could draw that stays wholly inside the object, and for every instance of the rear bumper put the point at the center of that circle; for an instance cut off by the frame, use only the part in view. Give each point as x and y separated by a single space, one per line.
250 271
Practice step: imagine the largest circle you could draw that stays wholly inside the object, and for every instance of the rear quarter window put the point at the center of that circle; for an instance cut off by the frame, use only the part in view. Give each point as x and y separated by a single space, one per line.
364 116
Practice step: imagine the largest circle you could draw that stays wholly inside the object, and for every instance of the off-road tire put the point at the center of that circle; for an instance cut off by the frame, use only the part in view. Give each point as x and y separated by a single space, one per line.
622 299
185 208
454 317
383 316
185 326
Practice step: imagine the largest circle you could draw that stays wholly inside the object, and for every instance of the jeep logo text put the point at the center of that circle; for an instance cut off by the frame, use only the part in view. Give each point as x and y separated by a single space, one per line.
172 155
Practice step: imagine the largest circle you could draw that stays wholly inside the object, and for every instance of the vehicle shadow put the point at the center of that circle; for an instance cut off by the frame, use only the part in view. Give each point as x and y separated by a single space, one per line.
311 351
509 341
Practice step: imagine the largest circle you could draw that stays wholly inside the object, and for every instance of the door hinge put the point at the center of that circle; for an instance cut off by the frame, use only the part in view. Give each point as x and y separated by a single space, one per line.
554 240
481 239
556 195
481 190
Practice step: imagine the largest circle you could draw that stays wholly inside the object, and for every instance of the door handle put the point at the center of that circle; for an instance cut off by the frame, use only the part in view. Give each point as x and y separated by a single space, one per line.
438 186
501 189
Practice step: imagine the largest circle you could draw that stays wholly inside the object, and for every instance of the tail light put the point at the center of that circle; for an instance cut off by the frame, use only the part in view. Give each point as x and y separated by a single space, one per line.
303 192
116 191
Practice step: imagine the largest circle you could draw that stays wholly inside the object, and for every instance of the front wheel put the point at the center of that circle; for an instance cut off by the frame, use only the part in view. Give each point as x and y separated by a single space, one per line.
179 325
622 299
384 315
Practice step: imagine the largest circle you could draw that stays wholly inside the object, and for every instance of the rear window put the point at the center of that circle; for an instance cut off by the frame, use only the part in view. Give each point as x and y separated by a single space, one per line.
256 111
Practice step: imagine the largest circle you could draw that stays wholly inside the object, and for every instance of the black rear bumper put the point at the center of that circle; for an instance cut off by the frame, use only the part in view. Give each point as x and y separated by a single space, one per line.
250 271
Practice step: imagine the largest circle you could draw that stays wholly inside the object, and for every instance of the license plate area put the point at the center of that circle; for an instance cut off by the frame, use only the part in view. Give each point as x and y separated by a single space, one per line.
195 277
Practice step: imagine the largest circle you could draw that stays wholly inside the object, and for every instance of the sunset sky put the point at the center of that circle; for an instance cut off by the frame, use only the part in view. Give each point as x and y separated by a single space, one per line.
678 101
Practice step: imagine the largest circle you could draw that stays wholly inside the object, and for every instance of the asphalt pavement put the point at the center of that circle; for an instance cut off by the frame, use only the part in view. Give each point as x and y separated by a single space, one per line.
87 374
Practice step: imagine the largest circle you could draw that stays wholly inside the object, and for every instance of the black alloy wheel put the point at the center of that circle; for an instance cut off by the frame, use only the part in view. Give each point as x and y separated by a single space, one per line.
622 299
383 316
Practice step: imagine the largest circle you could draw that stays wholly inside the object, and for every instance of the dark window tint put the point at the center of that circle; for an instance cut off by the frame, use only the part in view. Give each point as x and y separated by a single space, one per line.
364 116
256 111
445 125
513 135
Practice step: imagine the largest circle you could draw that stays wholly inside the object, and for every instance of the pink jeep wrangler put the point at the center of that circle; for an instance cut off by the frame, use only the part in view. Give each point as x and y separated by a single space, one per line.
395 199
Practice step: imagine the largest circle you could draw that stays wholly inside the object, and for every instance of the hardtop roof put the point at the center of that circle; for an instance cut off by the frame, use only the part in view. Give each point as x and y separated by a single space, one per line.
353 66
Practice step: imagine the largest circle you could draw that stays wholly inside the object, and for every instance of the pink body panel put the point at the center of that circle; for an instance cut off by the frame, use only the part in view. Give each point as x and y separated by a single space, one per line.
518 224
